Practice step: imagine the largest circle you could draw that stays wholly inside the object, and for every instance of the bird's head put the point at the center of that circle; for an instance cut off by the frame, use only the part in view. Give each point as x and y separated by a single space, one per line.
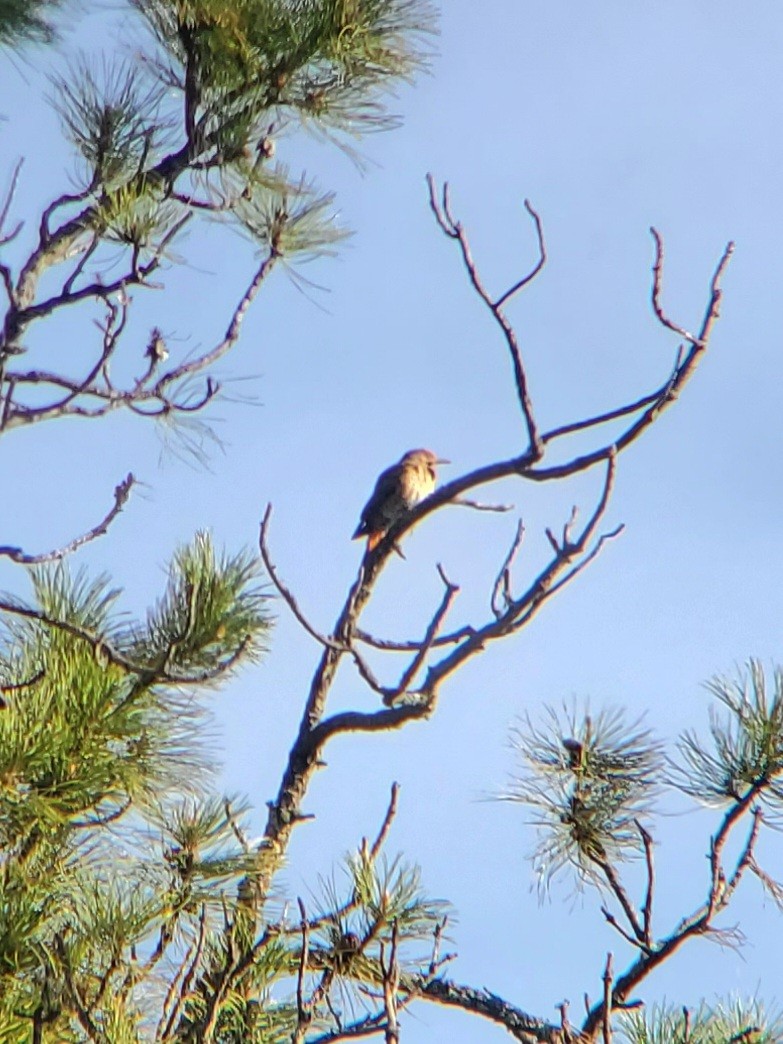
423 458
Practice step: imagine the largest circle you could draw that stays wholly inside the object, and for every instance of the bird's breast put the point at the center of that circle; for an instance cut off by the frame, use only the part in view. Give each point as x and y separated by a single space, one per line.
417 483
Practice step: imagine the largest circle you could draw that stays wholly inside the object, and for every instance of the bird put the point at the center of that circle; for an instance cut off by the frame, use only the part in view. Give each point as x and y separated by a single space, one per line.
398 489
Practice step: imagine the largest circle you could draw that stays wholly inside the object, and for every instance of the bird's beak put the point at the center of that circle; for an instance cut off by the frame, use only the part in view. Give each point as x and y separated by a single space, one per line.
442 460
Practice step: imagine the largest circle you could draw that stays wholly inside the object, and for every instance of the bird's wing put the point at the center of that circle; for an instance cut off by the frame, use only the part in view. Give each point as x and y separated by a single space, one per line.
384 488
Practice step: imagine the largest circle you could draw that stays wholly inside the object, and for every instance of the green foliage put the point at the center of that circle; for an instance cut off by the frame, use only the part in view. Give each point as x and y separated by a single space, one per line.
588 782
212 611
111 118
290 219
26 20
739 1023
244 59
389 893
745 753
94 730
108 852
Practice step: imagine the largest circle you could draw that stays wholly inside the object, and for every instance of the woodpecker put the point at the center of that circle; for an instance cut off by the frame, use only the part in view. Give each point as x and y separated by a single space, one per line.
397 490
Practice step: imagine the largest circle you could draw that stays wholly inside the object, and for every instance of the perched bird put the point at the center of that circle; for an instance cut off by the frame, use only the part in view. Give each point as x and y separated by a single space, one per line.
397 490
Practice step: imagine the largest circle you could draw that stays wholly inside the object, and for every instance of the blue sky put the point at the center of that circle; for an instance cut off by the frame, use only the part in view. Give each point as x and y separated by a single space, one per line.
609 117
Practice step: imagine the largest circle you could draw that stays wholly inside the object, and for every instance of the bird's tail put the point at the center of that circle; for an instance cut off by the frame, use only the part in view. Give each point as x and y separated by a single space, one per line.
373 539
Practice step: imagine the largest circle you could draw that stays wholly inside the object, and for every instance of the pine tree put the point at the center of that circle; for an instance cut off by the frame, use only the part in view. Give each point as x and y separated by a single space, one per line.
133 905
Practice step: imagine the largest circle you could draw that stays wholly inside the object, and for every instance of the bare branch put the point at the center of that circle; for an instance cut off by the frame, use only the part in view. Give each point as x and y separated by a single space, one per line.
699 922
519 1024
608 977
390 973
121 494
63 200
232 331
79 267
536 268
647 841
455 230
612 920
477 506
656 292
450 593
390 645
304 1011
19 318
571 553
284 591
502 585
176 995
383 833
7 204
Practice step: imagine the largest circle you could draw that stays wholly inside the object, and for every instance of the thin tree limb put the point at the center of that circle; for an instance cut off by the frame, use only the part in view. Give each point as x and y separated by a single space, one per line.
121 494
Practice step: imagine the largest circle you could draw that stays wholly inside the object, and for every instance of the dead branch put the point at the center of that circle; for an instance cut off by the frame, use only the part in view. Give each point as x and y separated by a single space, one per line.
7 237
390 645
619 892
390 972
647 841
699 922
571 553
283 590
455 230
304 1011
383 833
18 319
450 593
607 980
519 1024
502 586
177 994
478 506
166 396
657 287
121 494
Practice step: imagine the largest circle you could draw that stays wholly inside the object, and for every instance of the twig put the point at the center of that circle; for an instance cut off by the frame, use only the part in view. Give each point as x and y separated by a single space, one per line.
236 829
79 267
647 841
383 833
607 979
391 984
232 331
538 265
612 920
450 593
285 592
454 230
502 585
657 287
565 1025
390 645
477 506
303 1010
121 494
176 995
18 319
7 203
